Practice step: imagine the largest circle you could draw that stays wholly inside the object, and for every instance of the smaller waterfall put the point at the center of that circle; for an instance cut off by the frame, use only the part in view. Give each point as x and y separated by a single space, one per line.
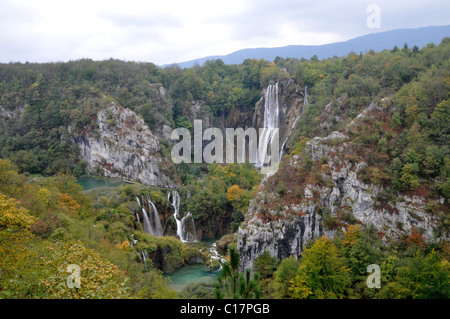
138 219
139 202
152 223
144 258
188 228
186 225
305 99
176 207
147 224
156 226
215 255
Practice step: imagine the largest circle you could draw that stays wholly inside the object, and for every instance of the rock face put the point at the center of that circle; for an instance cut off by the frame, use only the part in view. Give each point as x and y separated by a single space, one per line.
280 238
121 145
325 209
346 193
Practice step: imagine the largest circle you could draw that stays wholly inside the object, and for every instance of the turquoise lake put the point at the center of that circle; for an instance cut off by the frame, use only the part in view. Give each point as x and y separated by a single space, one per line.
186 275
92 182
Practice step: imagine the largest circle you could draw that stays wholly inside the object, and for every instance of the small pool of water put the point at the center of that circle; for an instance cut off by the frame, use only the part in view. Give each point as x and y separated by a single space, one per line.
92 182
186 275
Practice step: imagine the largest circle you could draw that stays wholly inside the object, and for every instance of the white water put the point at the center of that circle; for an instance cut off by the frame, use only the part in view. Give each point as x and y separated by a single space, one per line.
176 207
157 229
215 255
271 114
139 202
188 233
147 224
305 100
182 224
152 223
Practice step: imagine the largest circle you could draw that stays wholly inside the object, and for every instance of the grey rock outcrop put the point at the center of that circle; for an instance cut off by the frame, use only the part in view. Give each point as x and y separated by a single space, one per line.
281 238
287 230
121 145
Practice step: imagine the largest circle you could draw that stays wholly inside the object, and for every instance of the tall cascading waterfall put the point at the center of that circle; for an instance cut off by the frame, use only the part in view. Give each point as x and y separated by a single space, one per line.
185 226
152 223
271 118
305 103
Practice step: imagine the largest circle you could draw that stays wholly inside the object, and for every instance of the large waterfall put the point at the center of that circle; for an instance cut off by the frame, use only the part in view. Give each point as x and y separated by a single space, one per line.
185 226
152 223
271 118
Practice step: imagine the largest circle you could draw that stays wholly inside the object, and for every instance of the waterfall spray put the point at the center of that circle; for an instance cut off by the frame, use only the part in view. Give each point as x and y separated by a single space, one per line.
151 223
156 225
184 233
271 114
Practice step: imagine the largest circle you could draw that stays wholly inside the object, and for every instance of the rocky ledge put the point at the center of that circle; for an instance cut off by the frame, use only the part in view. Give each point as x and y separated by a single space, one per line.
121 145
323 210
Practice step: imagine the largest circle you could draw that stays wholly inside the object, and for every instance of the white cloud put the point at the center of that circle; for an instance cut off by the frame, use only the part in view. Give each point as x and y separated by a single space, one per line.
174 31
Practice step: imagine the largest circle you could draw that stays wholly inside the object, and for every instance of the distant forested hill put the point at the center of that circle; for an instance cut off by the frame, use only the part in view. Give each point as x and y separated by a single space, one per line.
374 41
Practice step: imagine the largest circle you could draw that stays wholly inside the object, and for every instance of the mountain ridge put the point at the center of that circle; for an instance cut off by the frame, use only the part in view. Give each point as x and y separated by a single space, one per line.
374 41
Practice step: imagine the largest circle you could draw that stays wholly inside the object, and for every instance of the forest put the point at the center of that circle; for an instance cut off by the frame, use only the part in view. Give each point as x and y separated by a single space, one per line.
47 222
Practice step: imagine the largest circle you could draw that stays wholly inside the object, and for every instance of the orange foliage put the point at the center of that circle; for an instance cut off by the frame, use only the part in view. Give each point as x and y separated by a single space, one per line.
233 192
125 245
69 204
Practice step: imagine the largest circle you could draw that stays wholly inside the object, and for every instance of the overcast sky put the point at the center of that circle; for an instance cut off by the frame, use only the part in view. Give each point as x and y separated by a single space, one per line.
168 31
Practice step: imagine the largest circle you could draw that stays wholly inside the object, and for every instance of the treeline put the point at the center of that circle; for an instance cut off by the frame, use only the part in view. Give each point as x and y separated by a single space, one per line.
40 101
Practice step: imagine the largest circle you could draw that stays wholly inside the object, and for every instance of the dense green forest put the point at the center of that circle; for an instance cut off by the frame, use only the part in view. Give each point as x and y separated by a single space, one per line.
54 96
47 222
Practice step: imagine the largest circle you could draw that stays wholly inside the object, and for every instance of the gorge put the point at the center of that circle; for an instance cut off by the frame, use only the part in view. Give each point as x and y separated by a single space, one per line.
362 174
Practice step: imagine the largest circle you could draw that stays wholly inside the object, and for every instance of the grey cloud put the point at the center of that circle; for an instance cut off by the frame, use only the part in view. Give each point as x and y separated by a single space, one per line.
265 18
143 20
141 28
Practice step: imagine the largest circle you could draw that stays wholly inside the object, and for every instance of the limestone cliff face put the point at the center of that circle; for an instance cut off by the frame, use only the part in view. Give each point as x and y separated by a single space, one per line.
347 192
121 145
322 210
281 238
